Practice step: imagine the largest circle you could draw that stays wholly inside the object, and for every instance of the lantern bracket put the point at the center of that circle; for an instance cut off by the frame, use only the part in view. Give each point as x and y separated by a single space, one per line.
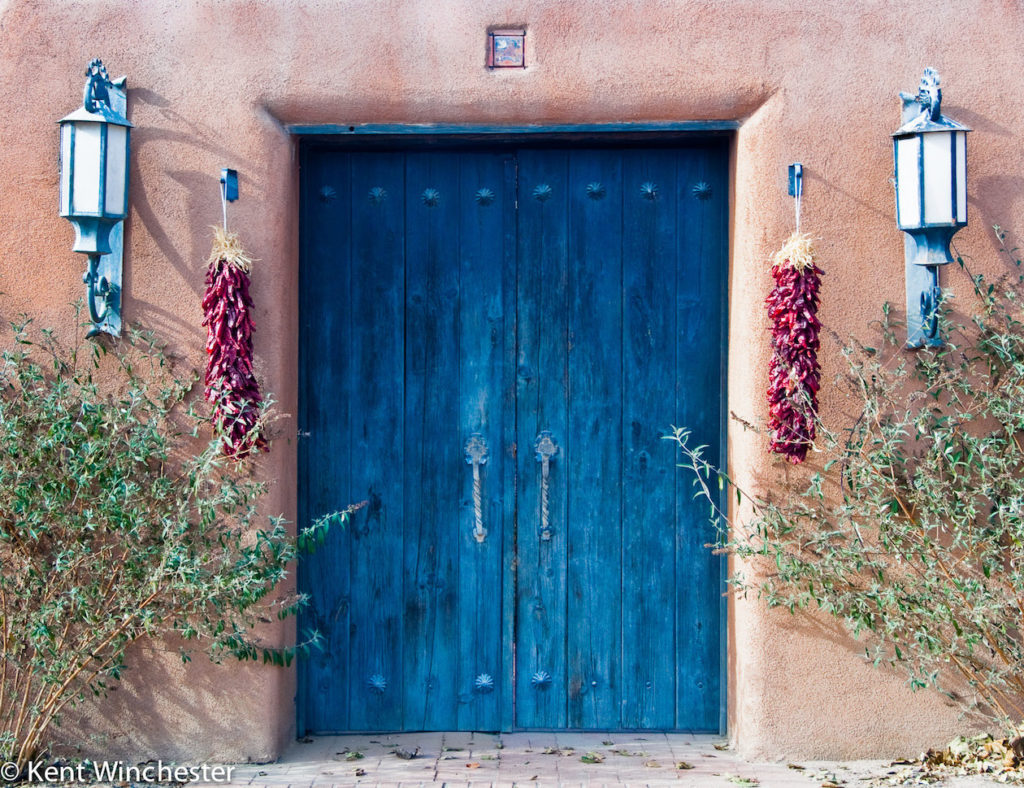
105 272
103 297
931 300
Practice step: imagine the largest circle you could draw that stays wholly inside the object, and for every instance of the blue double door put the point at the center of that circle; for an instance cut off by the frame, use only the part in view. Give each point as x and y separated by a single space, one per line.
493 345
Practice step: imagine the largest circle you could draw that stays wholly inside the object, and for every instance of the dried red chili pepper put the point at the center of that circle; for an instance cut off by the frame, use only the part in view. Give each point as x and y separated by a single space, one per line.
794 375
231 385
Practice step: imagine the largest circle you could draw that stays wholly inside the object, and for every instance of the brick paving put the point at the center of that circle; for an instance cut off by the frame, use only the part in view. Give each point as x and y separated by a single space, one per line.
538 760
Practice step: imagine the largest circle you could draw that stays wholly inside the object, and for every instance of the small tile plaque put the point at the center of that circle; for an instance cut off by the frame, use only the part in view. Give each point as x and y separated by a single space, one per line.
506 49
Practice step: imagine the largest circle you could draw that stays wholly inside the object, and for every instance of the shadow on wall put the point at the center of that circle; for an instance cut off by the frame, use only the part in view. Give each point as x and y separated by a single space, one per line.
976 121
824 629
161 208
173 711
994 200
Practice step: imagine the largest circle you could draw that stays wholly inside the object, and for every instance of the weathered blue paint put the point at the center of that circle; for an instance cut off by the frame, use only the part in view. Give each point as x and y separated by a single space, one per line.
376 449
541 405
593 448
325 375
650 482
434 471
505 294
700 399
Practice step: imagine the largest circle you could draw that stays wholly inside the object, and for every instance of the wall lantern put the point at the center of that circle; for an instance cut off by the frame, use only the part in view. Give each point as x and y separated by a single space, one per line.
94 190
931 200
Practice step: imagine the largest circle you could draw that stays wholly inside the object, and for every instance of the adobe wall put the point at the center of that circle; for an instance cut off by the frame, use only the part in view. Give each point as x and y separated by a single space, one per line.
213 83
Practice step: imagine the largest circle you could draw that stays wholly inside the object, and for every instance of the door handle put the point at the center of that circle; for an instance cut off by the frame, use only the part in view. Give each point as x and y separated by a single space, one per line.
476 455
546 449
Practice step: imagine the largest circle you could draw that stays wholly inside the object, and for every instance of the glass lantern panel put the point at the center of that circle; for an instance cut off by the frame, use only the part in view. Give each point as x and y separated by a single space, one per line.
938 178
65 168
117 158
85 187
961 177
908 183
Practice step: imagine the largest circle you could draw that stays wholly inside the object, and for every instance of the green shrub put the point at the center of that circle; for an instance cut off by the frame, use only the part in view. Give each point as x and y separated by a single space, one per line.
908 524
117 522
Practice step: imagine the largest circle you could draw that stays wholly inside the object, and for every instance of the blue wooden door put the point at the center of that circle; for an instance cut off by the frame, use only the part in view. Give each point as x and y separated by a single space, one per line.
492 345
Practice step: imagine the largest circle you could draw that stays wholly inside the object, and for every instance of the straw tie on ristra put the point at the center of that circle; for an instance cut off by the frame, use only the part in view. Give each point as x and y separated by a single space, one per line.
231 385
794 373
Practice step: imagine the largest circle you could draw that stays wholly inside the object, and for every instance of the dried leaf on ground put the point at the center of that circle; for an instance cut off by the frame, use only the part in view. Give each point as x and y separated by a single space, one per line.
999 759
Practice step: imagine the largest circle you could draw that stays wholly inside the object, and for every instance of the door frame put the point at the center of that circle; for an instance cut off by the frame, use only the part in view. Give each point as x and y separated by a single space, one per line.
398 136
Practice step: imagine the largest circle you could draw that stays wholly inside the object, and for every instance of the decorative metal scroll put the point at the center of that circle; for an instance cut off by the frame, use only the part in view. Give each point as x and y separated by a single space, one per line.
476 455
97 86
931 299
928 98
546 448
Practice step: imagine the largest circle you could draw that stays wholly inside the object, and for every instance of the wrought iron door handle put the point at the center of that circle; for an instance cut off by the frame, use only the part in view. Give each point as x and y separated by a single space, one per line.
546 449
476 455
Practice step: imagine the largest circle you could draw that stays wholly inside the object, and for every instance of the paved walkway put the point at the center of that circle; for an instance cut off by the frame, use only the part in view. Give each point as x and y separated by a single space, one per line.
547 759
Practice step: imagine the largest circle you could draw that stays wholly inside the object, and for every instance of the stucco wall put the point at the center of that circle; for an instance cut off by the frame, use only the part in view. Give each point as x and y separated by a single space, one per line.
214 83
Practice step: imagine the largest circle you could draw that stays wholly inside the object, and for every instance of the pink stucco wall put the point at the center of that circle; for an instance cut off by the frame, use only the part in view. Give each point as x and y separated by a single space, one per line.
215 83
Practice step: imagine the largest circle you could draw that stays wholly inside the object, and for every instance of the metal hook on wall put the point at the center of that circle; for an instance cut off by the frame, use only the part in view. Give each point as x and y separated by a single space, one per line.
228 191
796 189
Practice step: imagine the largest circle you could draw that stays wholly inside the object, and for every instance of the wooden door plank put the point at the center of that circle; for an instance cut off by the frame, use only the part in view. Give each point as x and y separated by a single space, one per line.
509 448
593 443
434 460
700 404
648 522
485 346
540 673
326 374
376 440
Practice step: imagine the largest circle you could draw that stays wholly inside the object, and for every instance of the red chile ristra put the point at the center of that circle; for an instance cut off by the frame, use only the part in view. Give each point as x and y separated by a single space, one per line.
794 374
231 385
